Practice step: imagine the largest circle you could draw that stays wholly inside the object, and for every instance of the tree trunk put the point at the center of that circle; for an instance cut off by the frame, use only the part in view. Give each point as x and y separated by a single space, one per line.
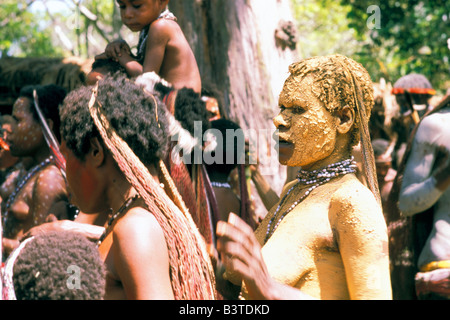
236 49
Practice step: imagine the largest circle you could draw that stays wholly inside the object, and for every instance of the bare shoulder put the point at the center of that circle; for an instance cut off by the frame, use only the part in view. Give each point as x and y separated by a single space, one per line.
353 200
50 180
138 227
165 27
51 171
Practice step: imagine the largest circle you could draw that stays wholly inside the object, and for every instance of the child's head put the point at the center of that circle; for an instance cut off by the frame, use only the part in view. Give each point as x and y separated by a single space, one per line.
138 14
132 113
59 266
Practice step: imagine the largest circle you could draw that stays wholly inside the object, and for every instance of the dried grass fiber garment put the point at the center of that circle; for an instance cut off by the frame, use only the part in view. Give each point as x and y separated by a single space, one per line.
191 271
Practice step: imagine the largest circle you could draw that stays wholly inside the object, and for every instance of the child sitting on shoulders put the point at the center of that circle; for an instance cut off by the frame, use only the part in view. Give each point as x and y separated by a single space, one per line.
162 46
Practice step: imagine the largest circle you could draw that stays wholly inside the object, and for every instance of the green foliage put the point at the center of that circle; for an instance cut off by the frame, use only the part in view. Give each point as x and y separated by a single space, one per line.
21 33
81 28
407 36
323 28
412 37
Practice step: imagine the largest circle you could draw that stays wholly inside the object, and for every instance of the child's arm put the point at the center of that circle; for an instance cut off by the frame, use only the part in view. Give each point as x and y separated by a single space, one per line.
120 51
158 37
132 67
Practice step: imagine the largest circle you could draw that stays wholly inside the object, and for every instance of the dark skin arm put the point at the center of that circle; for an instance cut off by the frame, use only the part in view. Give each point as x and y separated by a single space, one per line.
120 51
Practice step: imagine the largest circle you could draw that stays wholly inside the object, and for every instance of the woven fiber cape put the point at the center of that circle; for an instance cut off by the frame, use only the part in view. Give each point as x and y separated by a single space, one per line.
191 271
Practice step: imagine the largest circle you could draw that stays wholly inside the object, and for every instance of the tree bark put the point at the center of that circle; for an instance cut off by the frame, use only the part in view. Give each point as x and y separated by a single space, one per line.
236 49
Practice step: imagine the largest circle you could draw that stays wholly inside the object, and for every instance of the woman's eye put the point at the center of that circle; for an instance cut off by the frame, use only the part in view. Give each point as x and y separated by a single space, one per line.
298 109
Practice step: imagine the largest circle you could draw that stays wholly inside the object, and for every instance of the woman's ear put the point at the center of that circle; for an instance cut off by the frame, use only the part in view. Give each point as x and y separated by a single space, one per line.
345 118
96 153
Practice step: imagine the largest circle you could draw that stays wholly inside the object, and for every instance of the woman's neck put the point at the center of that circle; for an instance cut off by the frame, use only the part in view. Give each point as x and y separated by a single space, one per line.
121 189
331 159
40 155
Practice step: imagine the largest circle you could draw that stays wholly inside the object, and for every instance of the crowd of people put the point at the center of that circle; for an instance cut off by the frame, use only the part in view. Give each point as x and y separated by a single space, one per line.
106 192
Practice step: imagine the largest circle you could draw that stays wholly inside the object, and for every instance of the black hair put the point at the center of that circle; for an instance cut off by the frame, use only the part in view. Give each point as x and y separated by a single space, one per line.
129 110
59 265
190 108
49 98
109 65
224 166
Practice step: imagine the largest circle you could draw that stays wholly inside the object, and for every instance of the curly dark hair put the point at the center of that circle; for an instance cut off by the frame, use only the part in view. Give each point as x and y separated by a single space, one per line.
190 108
130 111
50 97
109 66
44 267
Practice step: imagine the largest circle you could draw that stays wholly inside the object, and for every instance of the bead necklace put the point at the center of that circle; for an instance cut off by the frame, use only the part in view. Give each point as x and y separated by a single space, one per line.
221 184
316 178
122 208
22 183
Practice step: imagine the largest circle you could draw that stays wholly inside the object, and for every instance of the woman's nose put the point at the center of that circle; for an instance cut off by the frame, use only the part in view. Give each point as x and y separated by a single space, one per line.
280 121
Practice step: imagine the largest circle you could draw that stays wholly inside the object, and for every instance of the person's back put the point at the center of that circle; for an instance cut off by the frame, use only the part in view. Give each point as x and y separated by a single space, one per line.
178 65
419 188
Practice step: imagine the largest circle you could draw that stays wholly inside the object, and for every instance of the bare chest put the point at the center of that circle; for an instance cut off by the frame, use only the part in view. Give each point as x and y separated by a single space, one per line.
303 246
114 289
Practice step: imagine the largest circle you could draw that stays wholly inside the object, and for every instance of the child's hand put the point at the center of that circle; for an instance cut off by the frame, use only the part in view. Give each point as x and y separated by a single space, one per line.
115 50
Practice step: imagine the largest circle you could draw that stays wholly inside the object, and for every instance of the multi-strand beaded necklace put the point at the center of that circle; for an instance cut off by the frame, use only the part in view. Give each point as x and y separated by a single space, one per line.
22 183
225 185
315 178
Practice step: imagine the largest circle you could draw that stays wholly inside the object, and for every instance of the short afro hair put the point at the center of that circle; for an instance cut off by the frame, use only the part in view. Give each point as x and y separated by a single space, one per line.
48 263
138 118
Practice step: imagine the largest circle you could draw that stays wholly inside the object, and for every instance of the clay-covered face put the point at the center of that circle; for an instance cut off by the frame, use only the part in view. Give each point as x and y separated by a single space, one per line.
26 135
306 129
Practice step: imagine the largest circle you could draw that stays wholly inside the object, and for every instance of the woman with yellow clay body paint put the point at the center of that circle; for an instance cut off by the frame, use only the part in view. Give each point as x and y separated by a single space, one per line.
326 238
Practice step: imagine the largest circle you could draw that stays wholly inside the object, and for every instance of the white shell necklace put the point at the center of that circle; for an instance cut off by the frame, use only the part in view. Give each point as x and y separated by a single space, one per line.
316 178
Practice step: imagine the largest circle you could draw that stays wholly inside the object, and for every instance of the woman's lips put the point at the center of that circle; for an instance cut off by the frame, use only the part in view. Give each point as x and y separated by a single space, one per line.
284 147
